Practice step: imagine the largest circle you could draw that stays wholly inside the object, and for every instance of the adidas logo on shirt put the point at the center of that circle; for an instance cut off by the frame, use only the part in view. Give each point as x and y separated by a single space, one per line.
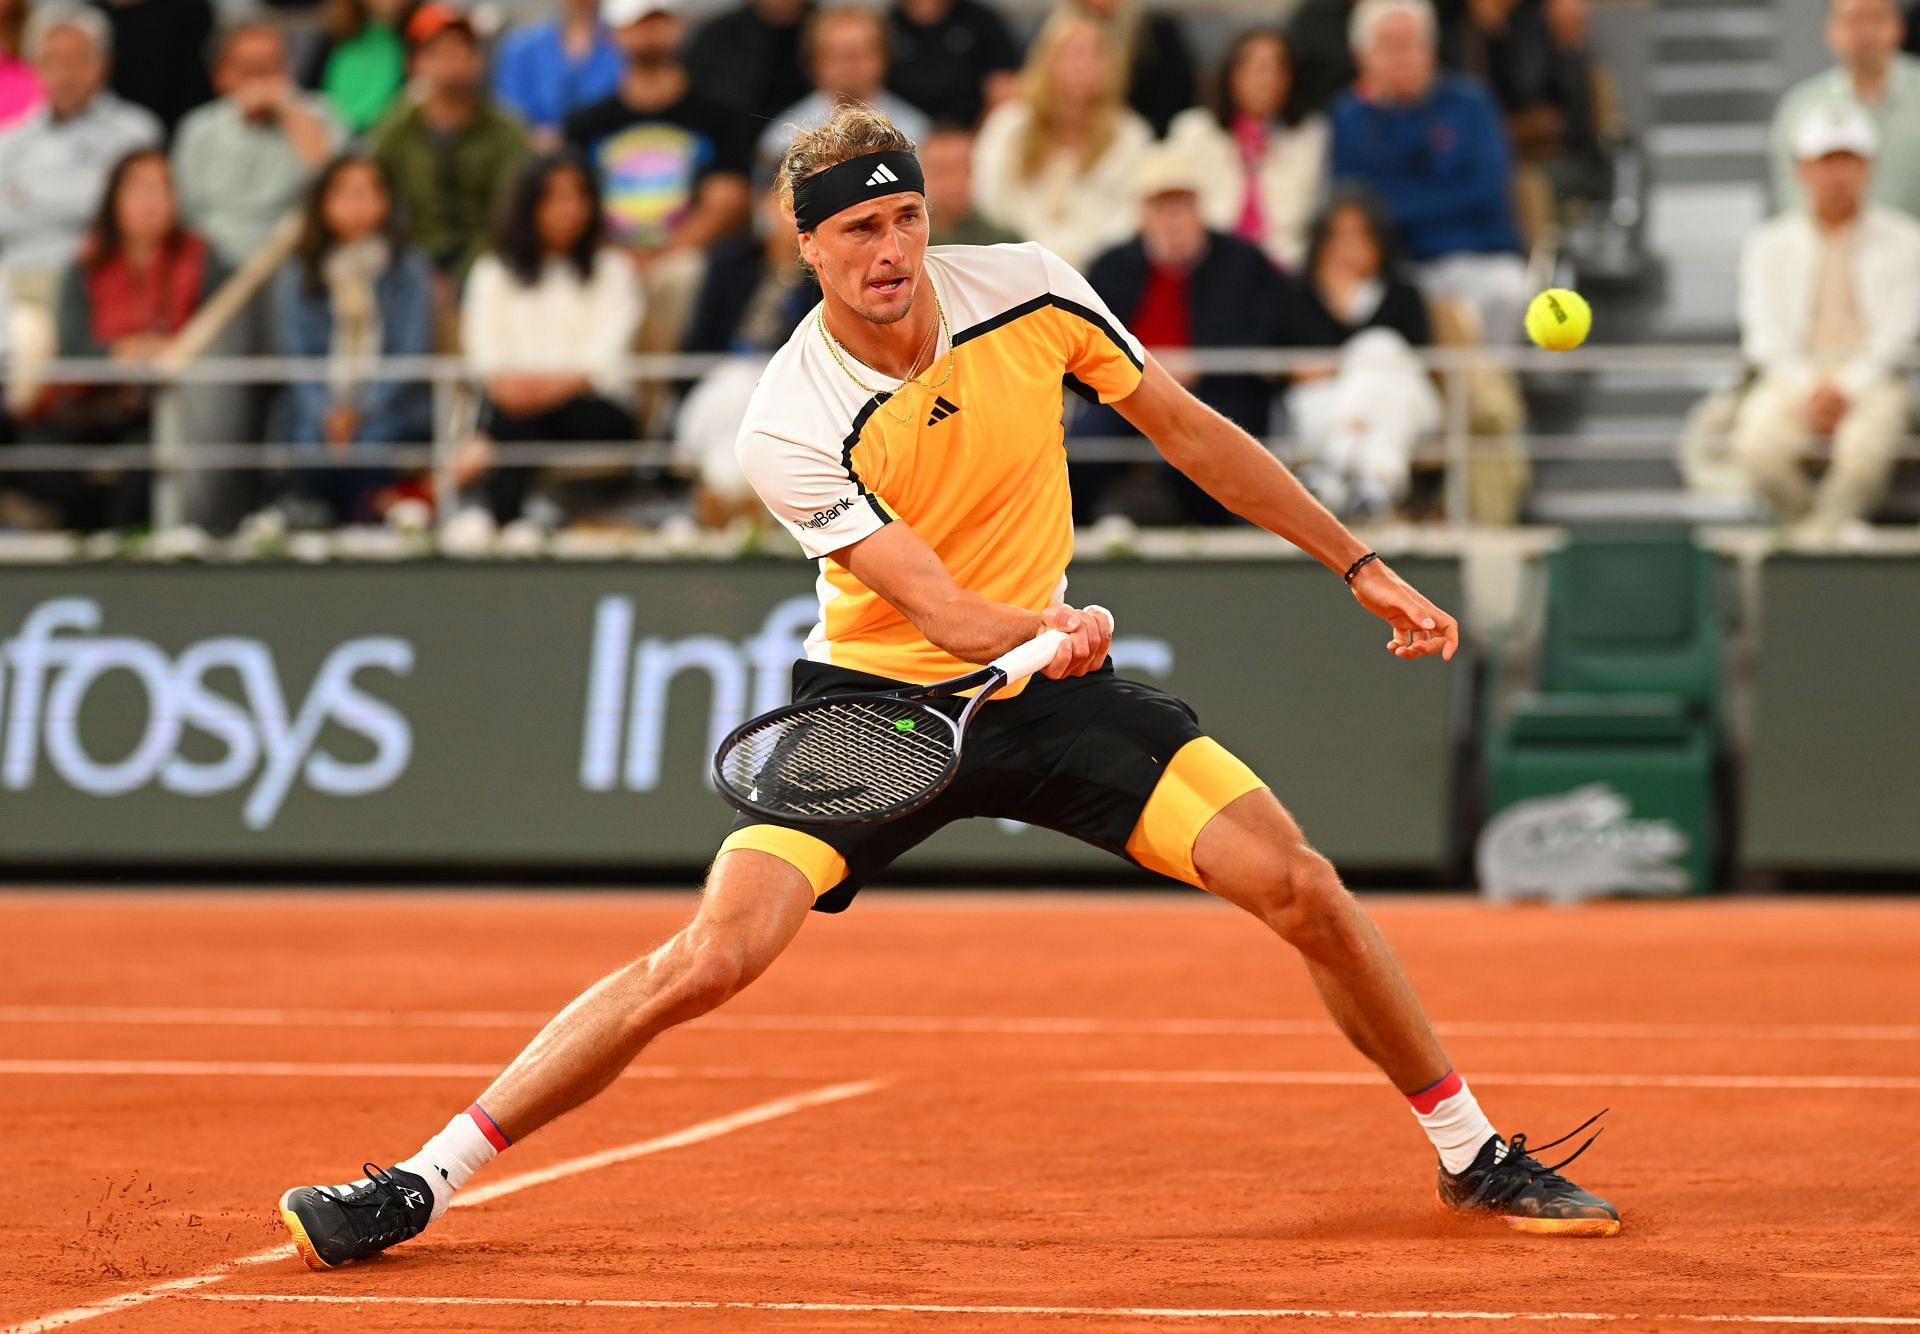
882 175
941 411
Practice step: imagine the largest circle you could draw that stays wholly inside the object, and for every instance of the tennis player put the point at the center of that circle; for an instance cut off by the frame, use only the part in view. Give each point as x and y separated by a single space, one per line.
909 434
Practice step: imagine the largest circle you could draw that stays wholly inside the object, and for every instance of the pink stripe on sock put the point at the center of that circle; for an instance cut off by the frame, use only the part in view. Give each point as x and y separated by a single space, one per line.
1430 1097
488 1127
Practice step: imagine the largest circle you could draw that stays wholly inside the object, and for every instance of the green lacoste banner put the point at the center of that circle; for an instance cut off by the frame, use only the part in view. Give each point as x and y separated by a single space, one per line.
563 714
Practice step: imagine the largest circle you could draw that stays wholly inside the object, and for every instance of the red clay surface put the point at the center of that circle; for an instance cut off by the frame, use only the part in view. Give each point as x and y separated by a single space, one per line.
1159 1142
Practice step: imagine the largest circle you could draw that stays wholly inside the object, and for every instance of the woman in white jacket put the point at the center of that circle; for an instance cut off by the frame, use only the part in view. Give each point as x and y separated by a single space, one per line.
1265 173
548 317
1056 164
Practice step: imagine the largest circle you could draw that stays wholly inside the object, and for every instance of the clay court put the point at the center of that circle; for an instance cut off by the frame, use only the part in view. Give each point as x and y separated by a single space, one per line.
954 1112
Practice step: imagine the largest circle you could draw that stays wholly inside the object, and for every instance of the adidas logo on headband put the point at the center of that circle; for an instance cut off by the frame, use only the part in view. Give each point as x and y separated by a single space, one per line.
881 176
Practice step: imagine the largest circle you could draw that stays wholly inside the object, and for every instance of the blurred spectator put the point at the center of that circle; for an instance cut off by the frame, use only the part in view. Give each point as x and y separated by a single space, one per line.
756 291
163 54
1533 56
243 162
547 320
1320 38
1056 164
1912 43
946 159
1361 414
1263 171
846 54
354 293
547 71
1872 72
450 154
54 164
672 164
1434 149
1178 285
1829 308
138 279
1157 58
748 58
954 58
755 294
360 64
20 90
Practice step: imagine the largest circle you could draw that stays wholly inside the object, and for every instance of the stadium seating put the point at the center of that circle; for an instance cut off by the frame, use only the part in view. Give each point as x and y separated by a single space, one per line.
1629 692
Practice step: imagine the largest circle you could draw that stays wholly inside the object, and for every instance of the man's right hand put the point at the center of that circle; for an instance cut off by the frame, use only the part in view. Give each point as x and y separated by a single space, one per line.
1825 406
1089 636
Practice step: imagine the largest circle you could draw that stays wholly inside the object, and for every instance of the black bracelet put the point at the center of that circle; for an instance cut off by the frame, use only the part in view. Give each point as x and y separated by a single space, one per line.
1360 565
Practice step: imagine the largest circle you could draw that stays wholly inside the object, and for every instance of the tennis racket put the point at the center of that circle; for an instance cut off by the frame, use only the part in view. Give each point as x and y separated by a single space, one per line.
862 759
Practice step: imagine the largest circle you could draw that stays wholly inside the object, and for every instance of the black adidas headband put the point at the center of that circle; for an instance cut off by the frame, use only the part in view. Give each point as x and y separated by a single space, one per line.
855 181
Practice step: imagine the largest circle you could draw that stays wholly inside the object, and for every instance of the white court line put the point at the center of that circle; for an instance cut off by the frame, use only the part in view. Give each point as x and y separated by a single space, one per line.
1483 1079
694 1134
1063 1026
1106 1312
360 1070
1330 1078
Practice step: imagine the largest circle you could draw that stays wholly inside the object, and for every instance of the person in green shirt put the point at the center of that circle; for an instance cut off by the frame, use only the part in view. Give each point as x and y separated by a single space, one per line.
363 66
451 153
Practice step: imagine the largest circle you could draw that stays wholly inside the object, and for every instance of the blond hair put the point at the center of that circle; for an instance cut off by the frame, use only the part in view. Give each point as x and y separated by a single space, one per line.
1036 84
852 131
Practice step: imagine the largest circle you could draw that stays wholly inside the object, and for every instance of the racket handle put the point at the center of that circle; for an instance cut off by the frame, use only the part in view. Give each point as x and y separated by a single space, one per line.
1024 660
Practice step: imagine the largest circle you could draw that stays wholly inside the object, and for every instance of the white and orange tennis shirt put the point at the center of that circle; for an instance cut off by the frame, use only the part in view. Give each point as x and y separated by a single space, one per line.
976 464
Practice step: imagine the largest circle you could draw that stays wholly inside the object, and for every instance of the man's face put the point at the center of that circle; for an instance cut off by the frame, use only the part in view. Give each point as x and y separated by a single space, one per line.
1172 230
1836 184
1398 64
71 69
1864 34
653 41
254 64
946 159
869 256
449 62
850 57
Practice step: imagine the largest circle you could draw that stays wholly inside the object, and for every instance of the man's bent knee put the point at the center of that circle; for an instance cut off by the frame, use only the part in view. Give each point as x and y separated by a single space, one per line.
1302 899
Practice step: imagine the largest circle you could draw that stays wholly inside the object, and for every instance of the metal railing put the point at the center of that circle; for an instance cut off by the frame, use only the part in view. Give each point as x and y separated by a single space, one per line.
172 456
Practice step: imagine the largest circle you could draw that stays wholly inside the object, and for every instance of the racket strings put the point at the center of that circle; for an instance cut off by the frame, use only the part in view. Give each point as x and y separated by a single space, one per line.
842 759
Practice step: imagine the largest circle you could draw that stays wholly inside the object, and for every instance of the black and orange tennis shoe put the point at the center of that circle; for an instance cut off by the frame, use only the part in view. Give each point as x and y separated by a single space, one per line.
1508 1183
332 1225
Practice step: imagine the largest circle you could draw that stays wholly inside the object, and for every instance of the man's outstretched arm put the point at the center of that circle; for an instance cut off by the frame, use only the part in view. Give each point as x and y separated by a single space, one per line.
1233 468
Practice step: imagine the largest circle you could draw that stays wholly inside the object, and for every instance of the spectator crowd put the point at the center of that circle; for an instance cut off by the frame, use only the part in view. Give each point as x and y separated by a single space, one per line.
546 199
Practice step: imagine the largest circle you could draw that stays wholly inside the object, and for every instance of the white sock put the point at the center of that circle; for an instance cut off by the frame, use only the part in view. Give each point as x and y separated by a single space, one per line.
1451 1116
448 1160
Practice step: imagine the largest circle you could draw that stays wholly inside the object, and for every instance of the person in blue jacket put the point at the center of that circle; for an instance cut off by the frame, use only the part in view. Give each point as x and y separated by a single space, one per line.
354 293
1434 148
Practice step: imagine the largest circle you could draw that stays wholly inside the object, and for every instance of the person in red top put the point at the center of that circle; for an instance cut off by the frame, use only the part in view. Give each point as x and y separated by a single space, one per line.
138 278
1180 285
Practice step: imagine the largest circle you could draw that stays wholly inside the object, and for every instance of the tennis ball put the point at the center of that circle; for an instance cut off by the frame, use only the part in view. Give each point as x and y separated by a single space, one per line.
1559 320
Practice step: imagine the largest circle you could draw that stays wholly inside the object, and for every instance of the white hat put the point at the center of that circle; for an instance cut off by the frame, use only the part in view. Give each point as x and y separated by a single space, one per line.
619 13
1840 127
1163 170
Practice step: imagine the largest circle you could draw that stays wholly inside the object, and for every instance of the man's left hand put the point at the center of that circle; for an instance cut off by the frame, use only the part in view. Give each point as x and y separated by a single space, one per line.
1419 627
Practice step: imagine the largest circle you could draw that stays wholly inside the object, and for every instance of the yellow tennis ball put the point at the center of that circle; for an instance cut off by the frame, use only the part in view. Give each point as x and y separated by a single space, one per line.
1559 320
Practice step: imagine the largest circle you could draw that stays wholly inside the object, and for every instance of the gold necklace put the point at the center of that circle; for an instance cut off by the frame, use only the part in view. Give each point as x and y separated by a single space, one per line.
883 396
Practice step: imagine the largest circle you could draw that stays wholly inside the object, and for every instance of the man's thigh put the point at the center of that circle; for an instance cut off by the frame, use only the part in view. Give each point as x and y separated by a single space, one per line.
1772 421
1874 424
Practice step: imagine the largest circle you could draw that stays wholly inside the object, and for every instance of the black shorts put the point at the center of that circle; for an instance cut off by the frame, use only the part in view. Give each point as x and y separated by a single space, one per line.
1081 756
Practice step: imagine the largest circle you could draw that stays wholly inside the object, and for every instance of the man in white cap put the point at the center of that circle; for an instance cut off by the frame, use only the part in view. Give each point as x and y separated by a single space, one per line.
1871 72
672 162
1829 306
